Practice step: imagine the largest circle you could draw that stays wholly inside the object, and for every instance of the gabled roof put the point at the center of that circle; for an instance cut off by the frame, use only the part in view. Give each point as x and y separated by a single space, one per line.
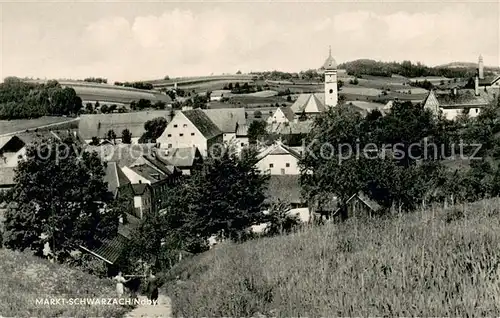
287 112
123 154
10 142
179 157
293 128
115 177
308 103
204 124
489 80
371 204
464 98
97 125
278 148
430 102
226 118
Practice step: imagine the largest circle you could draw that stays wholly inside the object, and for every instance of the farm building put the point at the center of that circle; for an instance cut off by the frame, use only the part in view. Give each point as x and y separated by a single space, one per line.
308 106
184 159
282 115
457 102
278 159
204 128
358 205
98 125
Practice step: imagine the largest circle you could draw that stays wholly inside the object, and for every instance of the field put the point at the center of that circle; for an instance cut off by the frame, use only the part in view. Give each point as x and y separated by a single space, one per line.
434 262
21 125
27 278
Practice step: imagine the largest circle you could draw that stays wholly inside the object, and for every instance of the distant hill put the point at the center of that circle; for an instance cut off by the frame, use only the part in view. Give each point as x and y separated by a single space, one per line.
468 65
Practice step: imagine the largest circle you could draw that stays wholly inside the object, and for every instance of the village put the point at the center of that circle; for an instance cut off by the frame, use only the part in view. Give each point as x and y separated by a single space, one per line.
344 186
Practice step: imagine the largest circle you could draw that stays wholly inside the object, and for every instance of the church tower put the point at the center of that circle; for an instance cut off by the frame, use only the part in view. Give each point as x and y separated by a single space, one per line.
481 67
331 93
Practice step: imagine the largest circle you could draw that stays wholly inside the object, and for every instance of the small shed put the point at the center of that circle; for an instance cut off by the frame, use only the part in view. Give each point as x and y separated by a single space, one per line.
358 205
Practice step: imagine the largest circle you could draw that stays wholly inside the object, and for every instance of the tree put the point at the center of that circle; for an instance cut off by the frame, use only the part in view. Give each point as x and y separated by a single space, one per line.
339 84
154 128
143 103
230 86
89 108
126 136
279 220
160 105
95 141
257 114
61 199
104 109
239 72
111 135
289 98
257 131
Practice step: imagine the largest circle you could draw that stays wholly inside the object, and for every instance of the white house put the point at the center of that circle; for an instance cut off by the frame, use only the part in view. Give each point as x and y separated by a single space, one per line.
281 115
205 128
278 159
191 128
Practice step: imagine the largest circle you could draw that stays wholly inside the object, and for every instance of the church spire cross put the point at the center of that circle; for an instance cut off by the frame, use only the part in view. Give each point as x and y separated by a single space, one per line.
330 51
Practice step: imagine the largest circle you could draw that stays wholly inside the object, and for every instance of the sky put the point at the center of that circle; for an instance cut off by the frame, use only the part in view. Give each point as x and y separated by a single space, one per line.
127 40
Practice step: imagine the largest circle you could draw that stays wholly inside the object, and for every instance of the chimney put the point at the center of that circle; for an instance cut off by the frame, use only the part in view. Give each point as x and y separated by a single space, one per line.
476 84
481 67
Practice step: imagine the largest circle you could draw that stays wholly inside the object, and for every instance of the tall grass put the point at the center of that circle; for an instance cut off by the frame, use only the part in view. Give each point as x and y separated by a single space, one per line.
26 278
431 263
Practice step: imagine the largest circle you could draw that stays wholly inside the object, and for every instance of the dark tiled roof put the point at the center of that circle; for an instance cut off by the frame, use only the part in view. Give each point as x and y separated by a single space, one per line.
465 97
204 124
139 188
288 112
97 125
123 154
284 187
115 177
148 172
110 250
179 157
226 118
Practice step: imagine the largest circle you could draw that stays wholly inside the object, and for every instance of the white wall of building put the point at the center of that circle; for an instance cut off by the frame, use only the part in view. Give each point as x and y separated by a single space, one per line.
281 164
331 93
278 117
134 177
181 133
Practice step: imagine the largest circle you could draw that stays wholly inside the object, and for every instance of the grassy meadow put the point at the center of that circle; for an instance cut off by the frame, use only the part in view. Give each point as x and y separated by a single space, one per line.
10 126
27 278
436 262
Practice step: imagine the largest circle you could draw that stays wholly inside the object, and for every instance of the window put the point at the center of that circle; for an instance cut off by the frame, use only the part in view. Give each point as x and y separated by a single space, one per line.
287 165
243 144
185 125
282 171
331 91
169 135
271 165
175 126
477 110
192 134
181 135
169 145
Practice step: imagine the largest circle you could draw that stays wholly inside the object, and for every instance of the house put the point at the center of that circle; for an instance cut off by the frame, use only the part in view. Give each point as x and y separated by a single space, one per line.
281 115
191 128
457 102
219 94
159 176
123 154
229 121
278 159
98 125
143 196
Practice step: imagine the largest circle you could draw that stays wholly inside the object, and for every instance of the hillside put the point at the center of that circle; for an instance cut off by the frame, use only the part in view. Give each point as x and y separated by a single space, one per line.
431 263
27 278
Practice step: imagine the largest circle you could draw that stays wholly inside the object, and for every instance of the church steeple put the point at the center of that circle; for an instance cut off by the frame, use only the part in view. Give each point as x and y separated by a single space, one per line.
331 90
330 63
